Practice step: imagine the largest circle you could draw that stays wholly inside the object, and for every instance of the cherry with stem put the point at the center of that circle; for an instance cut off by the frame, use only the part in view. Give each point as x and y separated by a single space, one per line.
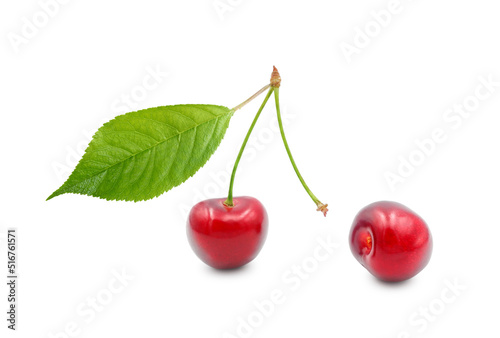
229 233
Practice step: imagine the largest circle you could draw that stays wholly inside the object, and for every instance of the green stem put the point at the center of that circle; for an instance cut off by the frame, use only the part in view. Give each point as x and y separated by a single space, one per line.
229 200
321 207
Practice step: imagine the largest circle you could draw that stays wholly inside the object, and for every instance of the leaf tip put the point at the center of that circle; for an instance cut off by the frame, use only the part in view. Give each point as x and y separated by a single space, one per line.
54 194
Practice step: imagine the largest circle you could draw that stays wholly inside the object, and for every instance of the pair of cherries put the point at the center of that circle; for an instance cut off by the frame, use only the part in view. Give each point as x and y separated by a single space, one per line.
387 238
391 241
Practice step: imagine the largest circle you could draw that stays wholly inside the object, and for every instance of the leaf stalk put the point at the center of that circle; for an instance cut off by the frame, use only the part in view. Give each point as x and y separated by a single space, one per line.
241 105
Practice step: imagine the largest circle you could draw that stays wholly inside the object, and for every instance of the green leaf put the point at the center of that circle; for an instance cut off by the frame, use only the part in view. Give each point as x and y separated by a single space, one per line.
142 154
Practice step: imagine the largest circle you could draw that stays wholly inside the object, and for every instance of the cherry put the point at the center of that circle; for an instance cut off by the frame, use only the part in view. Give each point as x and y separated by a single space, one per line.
391 241
229 233
227 237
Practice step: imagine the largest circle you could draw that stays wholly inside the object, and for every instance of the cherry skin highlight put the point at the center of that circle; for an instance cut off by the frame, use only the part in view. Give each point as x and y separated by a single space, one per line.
391 241
227 237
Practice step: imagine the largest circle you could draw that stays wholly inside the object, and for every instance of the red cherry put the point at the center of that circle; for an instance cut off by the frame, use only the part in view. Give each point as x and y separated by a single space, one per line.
391 241
227 237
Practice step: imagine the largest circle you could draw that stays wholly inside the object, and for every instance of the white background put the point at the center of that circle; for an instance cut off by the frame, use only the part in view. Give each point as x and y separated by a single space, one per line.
348 124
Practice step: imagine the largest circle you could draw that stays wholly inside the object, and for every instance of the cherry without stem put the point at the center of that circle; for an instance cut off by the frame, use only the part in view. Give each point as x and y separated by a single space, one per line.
391 241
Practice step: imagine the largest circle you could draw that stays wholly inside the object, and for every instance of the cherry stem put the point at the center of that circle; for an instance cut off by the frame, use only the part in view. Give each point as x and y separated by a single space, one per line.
229 200
321 207
241 105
